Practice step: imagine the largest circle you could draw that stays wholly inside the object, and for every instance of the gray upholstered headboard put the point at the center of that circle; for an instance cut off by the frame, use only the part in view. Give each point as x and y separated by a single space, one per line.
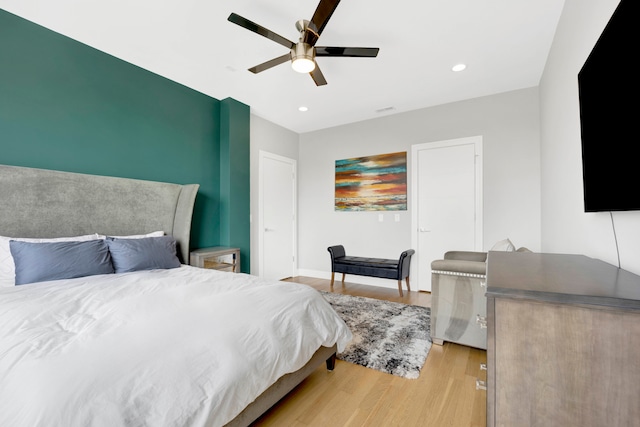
45 203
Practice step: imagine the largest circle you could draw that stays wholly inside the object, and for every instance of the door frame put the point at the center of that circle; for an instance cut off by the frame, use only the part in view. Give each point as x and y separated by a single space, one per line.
477 142
261 158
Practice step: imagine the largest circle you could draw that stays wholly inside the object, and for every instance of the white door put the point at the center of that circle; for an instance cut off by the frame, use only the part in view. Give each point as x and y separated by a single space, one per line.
447 202
277 232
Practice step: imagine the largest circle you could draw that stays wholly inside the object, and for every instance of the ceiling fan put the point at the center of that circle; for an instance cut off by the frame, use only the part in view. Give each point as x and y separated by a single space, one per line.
303 53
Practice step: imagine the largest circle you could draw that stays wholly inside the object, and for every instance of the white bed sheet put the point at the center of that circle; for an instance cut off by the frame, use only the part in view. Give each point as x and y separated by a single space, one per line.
179 347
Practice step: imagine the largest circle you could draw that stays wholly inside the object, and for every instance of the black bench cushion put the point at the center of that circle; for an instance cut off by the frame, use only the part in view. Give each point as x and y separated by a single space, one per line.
368 262
373 267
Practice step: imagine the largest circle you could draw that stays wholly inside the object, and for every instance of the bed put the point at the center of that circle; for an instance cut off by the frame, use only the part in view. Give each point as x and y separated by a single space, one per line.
154 342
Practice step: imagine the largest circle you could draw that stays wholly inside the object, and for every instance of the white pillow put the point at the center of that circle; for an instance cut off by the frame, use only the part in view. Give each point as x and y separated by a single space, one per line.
136 236
504 245
7 266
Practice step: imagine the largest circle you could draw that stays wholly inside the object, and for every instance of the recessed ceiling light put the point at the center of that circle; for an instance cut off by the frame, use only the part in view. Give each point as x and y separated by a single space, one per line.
303 108
458 67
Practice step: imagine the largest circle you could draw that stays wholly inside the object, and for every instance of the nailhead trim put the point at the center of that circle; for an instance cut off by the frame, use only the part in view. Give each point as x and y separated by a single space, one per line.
457 273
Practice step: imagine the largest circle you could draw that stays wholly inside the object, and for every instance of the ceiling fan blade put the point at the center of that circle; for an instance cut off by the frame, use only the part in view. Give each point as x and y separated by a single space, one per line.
317 76
358 52
259 29
319 20
272 63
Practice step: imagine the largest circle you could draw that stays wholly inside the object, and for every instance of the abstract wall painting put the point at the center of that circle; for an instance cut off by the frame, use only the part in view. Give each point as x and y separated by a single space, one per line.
372 183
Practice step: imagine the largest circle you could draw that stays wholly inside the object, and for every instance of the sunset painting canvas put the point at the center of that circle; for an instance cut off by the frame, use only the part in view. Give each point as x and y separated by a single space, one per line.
372 183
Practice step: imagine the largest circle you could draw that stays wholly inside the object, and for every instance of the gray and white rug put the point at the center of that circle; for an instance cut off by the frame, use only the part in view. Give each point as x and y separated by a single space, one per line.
387 336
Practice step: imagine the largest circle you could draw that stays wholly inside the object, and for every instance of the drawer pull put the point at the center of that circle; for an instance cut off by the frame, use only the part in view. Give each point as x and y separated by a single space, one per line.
483 366
481 385
483 283
482 321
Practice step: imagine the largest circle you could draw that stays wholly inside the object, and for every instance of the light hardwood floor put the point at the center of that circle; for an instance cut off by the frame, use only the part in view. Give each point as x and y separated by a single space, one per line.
351 395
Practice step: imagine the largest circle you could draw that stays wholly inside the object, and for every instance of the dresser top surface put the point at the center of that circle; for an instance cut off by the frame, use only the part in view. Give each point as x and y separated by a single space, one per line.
562 278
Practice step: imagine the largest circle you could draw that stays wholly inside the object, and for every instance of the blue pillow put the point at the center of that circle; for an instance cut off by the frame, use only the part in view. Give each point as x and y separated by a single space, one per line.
143 254
39 262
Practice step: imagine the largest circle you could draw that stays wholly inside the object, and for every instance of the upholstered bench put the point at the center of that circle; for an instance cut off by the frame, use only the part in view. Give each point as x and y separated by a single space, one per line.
397 269
458 302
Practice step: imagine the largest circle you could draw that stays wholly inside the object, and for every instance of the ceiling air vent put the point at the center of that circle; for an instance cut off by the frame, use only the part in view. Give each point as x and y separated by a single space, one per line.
385 109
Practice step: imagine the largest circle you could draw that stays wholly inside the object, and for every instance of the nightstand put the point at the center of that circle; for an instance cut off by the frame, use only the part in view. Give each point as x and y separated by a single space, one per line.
218 258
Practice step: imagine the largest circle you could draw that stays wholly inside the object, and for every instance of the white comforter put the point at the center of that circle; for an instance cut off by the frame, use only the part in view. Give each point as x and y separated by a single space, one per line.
180 347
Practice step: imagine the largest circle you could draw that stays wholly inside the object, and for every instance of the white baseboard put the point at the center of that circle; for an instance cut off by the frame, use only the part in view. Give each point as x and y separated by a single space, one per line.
351 278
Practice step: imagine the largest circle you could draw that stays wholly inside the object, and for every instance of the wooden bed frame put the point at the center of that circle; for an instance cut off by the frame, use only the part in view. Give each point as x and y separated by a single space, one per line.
44 203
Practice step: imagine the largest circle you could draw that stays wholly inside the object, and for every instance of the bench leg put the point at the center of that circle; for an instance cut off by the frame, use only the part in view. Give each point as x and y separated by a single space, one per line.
408 285
400 286
332 277
342 279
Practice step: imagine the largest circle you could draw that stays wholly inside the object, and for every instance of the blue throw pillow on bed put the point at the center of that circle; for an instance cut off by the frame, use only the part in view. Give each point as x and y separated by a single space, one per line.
143 254
39 262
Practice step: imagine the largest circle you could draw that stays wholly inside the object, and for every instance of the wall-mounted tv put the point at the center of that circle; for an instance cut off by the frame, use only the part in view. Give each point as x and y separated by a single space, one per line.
610 117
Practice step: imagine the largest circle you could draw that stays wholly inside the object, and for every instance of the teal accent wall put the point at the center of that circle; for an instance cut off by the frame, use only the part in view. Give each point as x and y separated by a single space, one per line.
234 178
67 106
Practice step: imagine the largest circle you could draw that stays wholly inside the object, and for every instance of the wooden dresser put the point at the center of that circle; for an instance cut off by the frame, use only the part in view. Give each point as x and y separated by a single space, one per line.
563 342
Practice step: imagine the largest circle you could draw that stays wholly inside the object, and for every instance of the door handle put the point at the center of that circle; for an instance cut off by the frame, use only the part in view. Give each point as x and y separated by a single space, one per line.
424 230
269 229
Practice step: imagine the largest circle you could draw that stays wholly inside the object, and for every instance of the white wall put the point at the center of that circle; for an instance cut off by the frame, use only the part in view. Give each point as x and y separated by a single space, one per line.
265 136
509 125
532 165
566 228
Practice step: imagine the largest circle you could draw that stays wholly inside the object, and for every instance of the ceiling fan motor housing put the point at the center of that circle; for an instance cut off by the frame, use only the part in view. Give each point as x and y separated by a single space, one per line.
303 54
303 50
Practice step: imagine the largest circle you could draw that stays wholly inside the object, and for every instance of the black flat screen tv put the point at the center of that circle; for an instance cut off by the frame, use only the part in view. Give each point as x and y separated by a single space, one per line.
610 117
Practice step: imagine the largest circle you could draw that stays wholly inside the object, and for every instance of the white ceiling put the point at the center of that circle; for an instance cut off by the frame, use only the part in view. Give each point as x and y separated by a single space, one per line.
503 42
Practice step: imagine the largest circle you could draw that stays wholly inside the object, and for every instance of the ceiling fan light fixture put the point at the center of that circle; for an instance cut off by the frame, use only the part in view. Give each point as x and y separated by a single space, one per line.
302 58
303 54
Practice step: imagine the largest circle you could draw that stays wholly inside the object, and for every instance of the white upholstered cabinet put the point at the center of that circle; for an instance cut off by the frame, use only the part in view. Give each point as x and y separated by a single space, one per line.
458 305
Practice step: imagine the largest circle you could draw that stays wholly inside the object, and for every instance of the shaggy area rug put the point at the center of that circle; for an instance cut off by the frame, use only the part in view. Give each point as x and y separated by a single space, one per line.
387 336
